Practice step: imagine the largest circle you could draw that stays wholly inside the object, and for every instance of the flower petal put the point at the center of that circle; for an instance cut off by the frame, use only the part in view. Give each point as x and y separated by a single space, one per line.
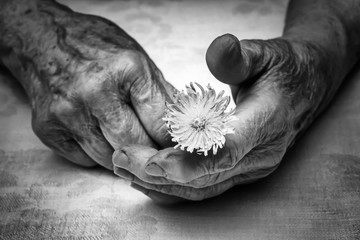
197 119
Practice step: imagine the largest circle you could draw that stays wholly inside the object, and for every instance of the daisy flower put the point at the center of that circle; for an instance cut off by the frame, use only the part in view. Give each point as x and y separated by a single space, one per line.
197 119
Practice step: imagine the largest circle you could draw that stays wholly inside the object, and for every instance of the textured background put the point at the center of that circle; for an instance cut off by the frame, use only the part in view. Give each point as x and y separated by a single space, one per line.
314 194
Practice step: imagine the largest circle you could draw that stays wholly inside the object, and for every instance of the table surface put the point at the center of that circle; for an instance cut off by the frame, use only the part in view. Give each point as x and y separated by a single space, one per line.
314 194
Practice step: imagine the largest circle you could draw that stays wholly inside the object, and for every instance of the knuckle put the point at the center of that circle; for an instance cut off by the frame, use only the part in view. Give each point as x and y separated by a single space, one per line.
137 68
132 65
53 136
41 126
65 145
133 60
60 107
51 131
205 180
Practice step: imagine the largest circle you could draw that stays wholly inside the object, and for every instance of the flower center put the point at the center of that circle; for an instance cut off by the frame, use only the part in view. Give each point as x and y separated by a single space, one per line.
198 124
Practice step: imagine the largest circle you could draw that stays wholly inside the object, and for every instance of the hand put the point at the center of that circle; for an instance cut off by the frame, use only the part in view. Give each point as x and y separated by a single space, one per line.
92 87
279 87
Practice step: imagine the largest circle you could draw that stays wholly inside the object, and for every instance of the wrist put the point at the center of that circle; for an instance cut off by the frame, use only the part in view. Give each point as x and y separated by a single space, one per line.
325 64
30 41
331 26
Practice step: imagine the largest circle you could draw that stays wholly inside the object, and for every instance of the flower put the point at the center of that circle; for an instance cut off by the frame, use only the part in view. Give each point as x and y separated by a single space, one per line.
198 120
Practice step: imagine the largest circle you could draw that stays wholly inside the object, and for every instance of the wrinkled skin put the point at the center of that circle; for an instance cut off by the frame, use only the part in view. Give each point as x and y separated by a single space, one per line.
92 87
279 86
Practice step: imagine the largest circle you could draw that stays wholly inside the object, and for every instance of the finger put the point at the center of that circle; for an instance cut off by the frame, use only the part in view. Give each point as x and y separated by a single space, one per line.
181 166
233 62
158 197
73 152
54 135
83 128
98 149
63 145
118 122
193 194
148 93
123 173
155 191
132 159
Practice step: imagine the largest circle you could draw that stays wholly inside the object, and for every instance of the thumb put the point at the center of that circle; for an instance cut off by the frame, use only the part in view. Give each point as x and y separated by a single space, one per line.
234 62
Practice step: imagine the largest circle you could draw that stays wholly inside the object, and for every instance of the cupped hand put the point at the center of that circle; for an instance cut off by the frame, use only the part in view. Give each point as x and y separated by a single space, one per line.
278 86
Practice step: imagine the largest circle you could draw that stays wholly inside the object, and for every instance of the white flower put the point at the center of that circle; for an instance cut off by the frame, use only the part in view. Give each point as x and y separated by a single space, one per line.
197 120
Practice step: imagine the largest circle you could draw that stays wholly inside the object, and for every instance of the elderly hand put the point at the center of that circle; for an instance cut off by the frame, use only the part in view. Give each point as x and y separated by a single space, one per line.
279 86
92 87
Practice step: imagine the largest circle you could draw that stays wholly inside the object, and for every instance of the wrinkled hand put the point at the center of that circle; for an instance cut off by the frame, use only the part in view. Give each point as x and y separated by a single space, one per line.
116 101
92 87
278 86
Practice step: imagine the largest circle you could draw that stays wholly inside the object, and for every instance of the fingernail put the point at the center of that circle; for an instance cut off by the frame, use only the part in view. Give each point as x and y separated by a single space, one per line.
155 170
123 174
120 159
139 188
